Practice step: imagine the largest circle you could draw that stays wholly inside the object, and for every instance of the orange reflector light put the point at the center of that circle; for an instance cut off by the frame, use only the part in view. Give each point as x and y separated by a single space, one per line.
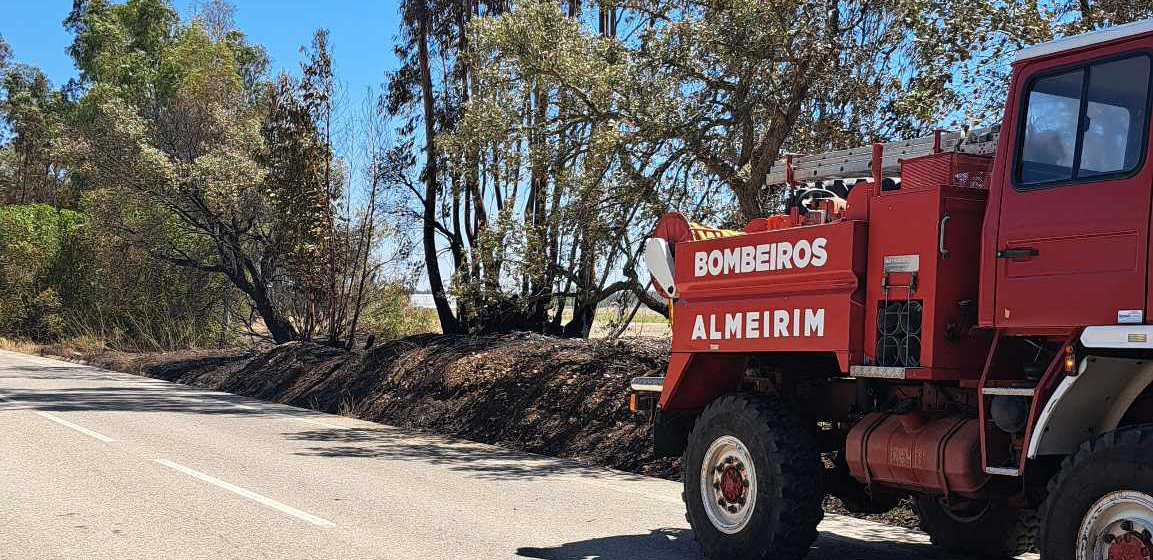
632 402
1070 361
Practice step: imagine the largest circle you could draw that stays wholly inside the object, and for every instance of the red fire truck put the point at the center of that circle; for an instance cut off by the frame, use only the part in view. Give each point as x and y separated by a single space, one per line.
967 326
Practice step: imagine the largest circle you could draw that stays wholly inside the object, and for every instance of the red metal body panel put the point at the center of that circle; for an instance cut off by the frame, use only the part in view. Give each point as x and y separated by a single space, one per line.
1092 238
932 230
749 293
694 380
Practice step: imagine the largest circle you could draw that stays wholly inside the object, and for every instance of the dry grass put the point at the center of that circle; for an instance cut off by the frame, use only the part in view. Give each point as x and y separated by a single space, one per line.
21 346
64 347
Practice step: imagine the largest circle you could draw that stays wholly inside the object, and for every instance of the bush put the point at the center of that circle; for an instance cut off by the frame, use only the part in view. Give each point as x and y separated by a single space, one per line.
33 286
389 314
66 274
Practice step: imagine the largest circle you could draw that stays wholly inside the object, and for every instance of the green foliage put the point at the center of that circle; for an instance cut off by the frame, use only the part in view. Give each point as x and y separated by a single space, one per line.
387 313
32 269
34 114
64 274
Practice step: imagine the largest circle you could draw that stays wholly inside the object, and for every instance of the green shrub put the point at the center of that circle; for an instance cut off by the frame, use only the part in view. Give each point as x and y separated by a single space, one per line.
388 314
34 280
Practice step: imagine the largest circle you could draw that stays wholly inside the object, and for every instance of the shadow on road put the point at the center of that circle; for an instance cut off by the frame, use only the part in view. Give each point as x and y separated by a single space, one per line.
678 544
661 544
482 461
133 396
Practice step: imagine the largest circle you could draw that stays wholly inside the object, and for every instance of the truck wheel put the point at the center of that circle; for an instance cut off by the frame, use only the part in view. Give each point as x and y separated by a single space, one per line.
984 528
752 480
1100 503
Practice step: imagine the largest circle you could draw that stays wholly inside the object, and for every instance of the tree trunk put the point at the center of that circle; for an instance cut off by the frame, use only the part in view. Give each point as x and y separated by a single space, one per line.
448 321
279 327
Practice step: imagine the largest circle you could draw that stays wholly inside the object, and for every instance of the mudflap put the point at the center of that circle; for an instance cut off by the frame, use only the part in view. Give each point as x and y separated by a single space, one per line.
671 432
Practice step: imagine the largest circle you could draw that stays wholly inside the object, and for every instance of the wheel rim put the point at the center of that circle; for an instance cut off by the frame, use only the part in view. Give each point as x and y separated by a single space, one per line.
728 484
1118 527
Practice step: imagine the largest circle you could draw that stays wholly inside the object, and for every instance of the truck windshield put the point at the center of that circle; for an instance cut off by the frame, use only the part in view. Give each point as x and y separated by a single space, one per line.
1085 123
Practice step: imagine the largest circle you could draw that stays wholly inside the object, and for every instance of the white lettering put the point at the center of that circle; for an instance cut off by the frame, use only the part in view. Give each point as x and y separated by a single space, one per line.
775 323
781 323
732 259
784 255
733 325
715 262
752 325
760 258
820 257
802 252
815 322
763 252
699 328
748 258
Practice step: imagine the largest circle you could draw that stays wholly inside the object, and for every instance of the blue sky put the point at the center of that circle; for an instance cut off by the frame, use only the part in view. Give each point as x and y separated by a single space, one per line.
362 34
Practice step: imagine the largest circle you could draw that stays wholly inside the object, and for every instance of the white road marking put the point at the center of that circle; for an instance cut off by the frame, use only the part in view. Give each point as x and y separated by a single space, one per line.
248 494
64 422
80 429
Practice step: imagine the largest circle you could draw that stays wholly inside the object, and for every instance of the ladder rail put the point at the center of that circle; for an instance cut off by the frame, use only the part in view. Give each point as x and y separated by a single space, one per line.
857 162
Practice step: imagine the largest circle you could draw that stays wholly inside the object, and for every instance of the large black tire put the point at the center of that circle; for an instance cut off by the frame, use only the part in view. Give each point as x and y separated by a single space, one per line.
784 510
1121 460
986 529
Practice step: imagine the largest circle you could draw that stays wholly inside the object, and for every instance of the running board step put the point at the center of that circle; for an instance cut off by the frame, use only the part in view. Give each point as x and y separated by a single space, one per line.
1002 471
648 384
1009 391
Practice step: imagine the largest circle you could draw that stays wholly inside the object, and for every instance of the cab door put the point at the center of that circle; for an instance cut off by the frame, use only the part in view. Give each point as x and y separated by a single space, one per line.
1074 215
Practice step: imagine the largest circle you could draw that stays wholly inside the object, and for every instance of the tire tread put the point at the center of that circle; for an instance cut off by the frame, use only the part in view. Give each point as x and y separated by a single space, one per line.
794 457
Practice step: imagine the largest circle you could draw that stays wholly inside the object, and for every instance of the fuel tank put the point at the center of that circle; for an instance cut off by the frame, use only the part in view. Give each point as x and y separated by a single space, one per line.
937 455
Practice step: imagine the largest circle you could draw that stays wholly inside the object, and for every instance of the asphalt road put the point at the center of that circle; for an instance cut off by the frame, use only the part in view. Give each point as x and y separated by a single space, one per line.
100 464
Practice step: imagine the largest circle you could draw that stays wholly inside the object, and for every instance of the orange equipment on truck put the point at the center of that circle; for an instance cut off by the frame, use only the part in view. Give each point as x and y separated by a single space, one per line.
967 326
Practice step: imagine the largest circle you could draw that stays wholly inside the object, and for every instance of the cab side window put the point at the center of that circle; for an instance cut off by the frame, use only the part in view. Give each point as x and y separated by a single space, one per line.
1085 123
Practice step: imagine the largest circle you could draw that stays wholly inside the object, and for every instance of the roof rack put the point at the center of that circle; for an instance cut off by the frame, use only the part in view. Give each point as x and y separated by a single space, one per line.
856 163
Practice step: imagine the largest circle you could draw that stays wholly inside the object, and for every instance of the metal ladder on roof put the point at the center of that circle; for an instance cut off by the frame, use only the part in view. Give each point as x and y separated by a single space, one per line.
855 163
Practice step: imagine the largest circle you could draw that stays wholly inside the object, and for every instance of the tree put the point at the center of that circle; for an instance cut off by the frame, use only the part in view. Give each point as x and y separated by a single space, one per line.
172 134
973 43
539 209
33 113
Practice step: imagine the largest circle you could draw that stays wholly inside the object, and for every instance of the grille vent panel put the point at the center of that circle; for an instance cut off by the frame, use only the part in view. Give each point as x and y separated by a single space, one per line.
899 333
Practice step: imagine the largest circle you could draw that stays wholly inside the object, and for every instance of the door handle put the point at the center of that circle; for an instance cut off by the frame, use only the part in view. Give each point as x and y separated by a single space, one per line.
1018 253
941 237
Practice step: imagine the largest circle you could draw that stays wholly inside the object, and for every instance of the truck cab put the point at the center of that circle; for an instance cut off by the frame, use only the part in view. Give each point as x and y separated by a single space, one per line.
1069 212
967 326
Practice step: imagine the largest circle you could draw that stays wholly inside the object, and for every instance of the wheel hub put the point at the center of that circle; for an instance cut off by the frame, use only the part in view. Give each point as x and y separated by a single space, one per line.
732 484
728 484
1130 546
1119 526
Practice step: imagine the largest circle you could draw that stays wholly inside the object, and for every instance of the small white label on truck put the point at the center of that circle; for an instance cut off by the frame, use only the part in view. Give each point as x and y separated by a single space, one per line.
903 263
1130 316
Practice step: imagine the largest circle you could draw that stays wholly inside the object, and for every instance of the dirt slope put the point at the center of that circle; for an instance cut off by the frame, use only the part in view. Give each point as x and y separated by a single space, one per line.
558 397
